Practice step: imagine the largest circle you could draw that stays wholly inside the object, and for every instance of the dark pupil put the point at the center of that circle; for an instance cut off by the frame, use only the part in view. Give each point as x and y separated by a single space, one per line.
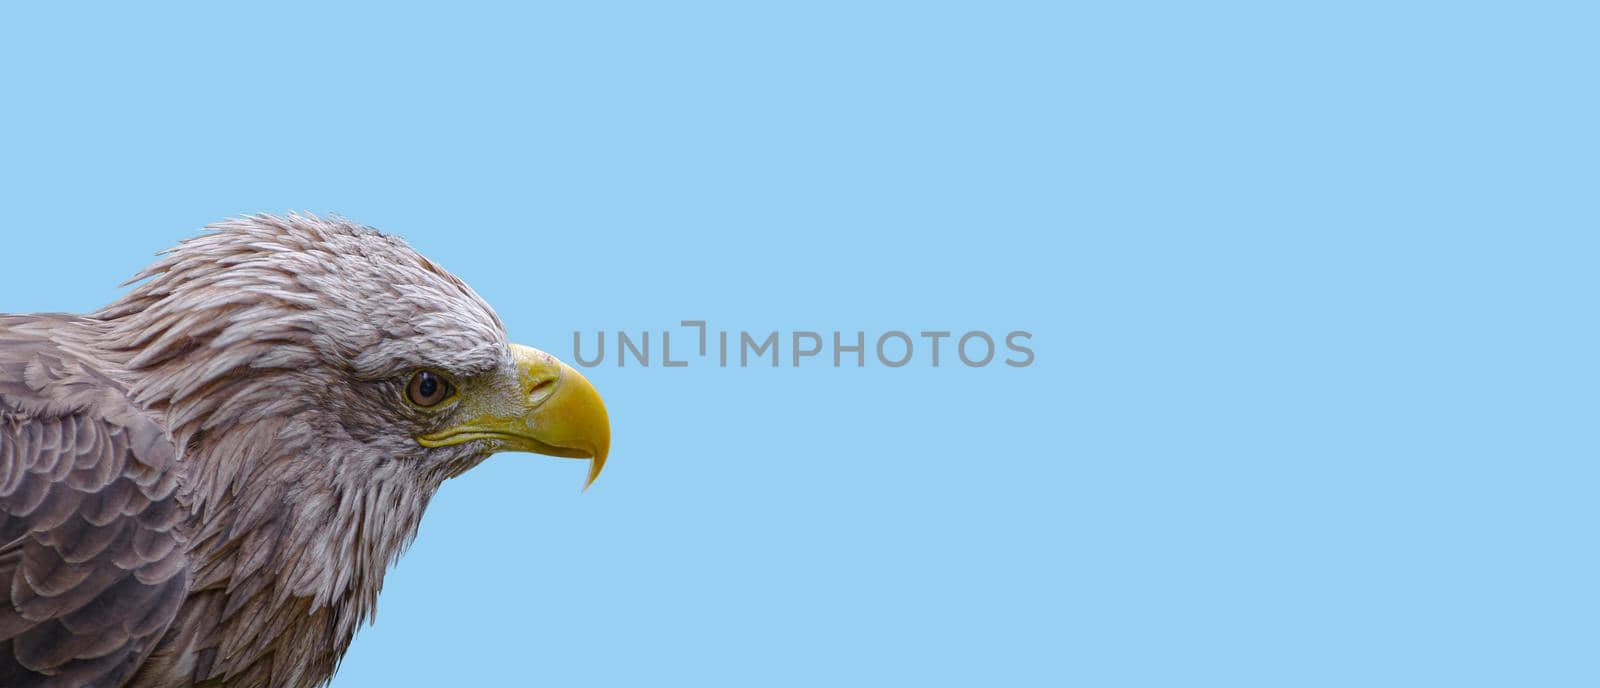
427 385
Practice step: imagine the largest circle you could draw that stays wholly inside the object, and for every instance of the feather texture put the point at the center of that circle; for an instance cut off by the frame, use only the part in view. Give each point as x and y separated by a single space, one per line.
93 561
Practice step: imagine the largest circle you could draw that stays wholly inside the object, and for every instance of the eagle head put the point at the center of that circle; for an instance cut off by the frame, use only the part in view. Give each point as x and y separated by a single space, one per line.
323 379
351 347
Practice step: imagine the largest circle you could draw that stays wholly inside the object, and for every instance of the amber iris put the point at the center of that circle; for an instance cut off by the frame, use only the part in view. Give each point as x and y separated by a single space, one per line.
427 389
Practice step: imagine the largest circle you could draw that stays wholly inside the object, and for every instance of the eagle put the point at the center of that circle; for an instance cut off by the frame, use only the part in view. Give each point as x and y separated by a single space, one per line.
203 483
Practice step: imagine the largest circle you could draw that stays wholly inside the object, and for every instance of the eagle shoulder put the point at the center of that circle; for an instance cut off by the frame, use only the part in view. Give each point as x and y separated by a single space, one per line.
92 562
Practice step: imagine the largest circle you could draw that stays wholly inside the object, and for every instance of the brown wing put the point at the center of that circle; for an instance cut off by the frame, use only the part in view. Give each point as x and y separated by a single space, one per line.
91 561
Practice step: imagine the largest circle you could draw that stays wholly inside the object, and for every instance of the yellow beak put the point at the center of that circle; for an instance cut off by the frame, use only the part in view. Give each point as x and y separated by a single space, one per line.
556 413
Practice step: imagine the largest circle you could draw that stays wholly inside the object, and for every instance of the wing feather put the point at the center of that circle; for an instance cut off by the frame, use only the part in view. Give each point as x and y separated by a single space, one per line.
94 568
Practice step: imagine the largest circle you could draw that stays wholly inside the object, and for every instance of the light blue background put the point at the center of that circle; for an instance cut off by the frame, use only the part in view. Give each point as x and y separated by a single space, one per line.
1312 293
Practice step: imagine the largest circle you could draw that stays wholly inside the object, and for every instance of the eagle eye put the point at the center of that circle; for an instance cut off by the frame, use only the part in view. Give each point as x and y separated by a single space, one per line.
427 389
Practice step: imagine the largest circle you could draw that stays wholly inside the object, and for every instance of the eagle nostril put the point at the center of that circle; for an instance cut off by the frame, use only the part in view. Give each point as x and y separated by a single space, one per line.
542 388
